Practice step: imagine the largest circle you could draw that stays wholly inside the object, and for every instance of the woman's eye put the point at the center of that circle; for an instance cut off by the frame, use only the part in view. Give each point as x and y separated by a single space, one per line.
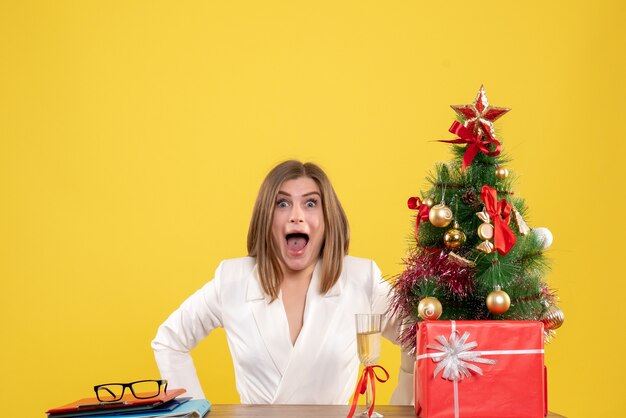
311 203
282 204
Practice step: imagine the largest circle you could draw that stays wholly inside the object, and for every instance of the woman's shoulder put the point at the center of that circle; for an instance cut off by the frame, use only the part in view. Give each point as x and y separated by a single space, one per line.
362 270
360 275
241 266
364 274
358 262
233 274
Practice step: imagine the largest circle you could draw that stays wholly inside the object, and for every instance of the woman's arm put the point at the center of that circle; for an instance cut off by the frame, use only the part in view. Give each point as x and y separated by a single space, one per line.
182 331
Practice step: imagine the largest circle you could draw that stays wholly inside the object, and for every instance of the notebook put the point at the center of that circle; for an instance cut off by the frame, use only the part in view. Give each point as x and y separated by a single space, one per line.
91 406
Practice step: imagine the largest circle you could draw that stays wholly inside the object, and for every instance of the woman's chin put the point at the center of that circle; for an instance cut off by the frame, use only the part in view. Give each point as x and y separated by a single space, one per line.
298 263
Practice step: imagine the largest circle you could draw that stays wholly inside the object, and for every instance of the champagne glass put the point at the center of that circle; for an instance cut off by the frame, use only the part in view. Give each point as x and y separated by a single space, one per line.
368 345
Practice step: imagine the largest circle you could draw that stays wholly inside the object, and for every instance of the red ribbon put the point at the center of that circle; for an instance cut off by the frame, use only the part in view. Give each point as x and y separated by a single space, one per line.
500 213
415 203
474 143
361 387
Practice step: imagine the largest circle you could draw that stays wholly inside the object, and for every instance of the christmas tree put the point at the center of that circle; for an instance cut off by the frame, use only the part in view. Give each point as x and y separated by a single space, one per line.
472 255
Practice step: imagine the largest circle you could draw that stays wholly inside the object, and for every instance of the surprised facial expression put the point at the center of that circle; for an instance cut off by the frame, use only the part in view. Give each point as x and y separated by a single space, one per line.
298 224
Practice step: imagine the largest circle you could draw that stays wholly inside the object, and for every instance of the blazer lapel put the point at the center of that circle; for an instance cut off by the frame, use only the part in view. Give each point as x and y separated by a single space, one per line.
271 322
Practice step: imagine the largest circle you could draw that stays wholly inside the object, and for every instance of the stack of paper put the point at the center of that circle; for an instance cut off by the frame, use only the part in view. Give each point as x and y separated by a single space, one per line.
166 405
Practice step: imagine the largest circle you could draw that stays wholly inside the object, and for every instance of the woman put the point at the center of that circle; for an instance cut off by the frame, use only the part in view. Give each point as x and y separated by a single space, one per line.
288 308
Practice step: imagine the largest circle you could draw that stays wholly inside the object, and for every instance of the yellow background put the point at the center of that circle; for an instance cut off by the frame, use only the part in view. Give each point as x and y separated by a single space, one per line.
134 136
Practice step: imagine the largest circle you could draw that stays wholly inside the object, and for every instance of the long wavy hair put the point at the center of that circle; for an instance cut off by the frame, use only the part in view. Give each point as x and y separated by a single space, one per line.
261 243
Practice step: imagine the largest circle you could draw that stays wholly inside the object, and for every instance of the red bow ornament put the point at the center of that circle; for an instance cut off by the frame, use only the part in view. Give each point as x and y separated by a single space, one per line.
423 210
500 213
474 143
361 387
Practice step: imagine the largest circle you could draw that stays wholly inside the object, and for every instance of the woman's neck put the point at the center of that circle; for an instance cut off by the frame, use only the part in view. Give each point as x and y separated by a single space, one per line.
298 276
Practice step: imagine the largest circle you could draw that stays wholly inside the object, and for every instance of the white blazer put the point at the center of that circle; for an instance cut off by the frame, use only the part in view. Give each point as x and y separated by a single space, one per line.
320 368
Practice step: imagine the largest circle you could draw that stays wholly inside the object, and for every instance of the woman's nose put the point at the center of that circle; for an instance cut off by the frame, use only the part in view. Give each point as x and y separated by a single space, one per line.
296 215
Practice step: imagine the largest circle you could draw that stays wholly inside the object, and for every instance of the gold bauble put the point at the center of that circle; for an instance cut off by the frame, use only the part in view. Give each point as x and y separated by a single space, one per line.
429 201
502 173
429 308
486 246
553 317
454 238
498 301
485 231
440 215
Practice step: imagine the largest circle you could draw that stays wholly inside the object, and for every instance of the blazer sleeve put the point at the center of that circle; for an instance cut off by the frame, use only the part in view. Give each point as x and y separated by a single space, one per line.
182 331
391 329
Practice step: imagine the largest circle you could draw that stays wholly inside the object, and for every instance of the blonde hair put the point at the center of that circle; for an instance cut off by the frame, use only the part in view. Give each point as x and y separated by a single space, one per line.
261 244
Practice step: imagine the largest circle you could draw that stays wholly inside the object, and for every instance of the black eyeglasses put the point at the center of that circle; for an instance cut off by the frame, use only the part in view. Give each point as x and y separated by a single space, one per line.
141 389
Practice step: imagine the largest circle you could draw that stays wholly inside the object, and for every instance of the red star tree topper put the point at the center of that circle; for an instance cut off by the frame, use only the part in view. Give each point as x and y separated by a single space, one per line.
479 116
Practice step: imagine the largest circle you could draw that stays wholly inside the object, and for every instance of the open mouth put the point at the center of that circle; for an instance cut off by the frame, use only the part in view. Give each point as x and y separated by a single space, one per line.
297 241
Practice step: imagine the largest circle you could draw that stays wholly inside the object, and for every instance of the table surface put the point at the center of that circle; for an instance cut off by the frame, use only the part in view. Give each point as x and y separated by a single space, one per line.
310 411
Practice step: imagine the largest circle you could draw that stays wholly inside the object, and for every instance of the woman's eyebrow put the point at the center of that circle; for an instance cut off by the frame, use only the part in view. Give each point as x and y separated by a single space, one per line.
304 195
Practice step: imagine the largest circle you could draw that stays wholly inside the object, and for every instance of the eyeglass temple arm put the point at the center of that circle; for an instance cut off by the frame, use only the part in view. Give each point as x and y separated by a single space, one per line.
105 388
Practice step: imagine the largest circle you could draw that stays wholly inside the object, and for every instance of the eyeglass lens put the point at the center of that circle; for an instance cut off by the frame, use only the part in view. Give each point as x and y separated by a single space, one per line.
108 393
146 389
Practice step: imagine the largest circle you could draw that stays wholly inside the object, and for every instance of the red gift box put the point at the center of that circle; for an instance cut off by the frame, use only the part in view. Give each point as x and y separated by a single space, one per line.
472 369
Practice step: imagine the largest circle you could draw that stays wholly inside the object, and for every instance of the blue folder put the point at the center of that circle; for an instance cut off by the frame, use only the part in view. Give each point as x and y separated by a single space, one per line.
194 408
